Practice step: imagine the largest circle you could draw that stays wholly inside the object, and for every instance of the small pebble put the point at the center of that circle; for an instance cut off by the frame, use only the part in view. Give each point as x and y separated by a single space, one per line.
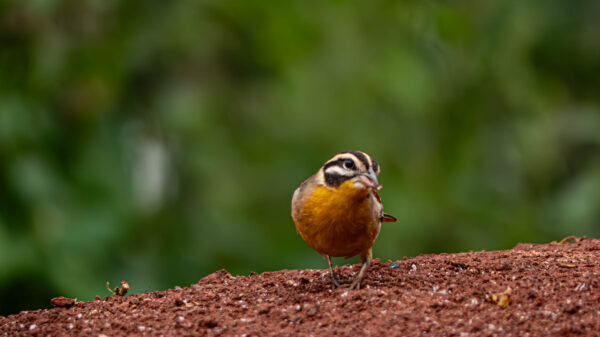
313 310
62 302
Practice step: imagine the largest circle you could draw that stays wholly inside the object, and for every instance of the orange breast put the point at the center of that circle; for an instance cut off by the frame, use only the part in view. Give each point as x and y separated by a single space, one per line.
339 222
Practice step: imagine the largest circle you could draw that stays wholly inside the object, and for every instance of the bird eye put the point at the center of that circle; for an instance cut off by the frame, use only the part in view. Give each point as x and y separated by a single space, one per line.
349 164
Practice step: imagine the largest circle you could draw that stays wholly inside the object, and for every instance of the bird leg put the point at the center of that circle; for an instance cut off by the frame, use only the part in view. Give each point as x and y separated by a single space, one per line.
334 278
361 273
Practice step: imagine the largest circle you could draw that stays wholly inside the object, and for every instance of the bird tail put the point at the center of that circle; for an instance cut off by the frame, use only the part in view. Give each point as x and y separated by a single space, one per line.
388 218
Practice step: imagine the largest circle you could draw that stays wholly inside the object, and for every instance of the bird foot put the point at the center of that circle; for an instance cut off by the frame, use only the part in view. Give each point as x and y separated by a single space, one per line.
336 284
335 281
355 284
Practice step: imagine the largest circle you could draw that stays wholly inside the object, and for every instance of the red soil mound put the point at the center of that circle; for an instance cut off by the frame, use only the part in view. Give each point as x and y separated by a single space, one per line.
550 289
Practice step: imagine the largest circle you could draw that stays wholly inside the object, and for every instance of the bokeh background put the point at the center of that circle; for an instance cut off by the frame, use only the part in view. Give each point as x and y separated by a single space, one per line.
159 141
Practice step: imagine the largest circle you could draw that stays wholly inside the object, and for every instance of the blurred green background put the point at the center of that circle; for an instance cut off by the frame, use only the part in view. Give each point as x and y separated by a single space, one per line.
159 141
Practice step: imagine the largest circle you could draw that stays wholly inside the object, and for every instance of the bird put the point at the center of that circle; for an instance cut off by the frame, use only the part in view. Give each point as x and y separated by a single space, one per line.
338 212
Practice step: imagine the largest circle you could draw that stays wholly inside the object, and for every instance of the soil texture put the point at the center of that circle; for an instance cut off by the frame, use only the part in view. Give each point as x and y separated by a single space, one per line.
530 290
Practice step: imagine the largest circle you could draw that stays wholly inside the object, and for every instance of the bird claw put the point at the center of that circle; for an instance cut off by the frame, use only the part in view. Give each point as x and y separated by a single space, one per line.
335 281
336 284
355 284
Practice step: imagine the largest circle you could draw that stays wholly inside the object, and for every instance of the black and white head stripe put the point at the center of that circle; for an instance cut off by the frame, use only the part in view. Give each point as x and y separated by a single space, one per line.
347 165
366 160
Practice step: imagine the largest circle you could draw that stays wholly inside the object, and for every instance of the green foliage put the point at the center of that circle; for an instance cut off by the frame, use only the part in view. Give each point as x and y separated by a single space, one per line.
156 142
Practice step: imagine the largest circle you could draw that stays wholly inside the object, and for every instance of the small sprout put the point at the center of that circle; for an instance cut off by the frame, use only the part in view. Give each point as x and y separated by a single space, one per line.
119 291
502 299
568 239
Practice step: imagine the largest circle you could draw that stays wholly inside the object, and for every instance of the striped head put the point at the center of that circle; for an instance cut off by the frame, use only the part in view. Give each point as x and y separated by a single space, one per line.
349 165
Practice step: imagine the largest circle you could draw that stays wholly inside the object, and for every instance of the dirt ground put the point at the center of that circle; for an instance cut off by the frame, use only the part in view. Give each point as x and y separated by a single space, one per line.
531 290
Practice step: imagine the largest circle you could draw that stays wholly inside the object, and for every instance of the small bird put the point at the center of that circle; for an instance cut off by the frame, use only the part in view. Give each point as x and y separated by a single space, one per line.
338 212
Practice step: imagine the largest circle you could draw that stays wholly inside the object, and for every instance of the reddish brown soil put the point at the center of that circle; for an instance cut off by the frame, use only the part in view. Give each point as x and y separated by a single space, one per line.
554 290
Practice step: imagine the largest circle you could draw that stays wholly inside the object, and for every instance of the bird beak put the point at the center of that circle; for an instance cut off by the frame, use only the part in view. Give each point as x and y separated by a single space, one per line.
372 176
